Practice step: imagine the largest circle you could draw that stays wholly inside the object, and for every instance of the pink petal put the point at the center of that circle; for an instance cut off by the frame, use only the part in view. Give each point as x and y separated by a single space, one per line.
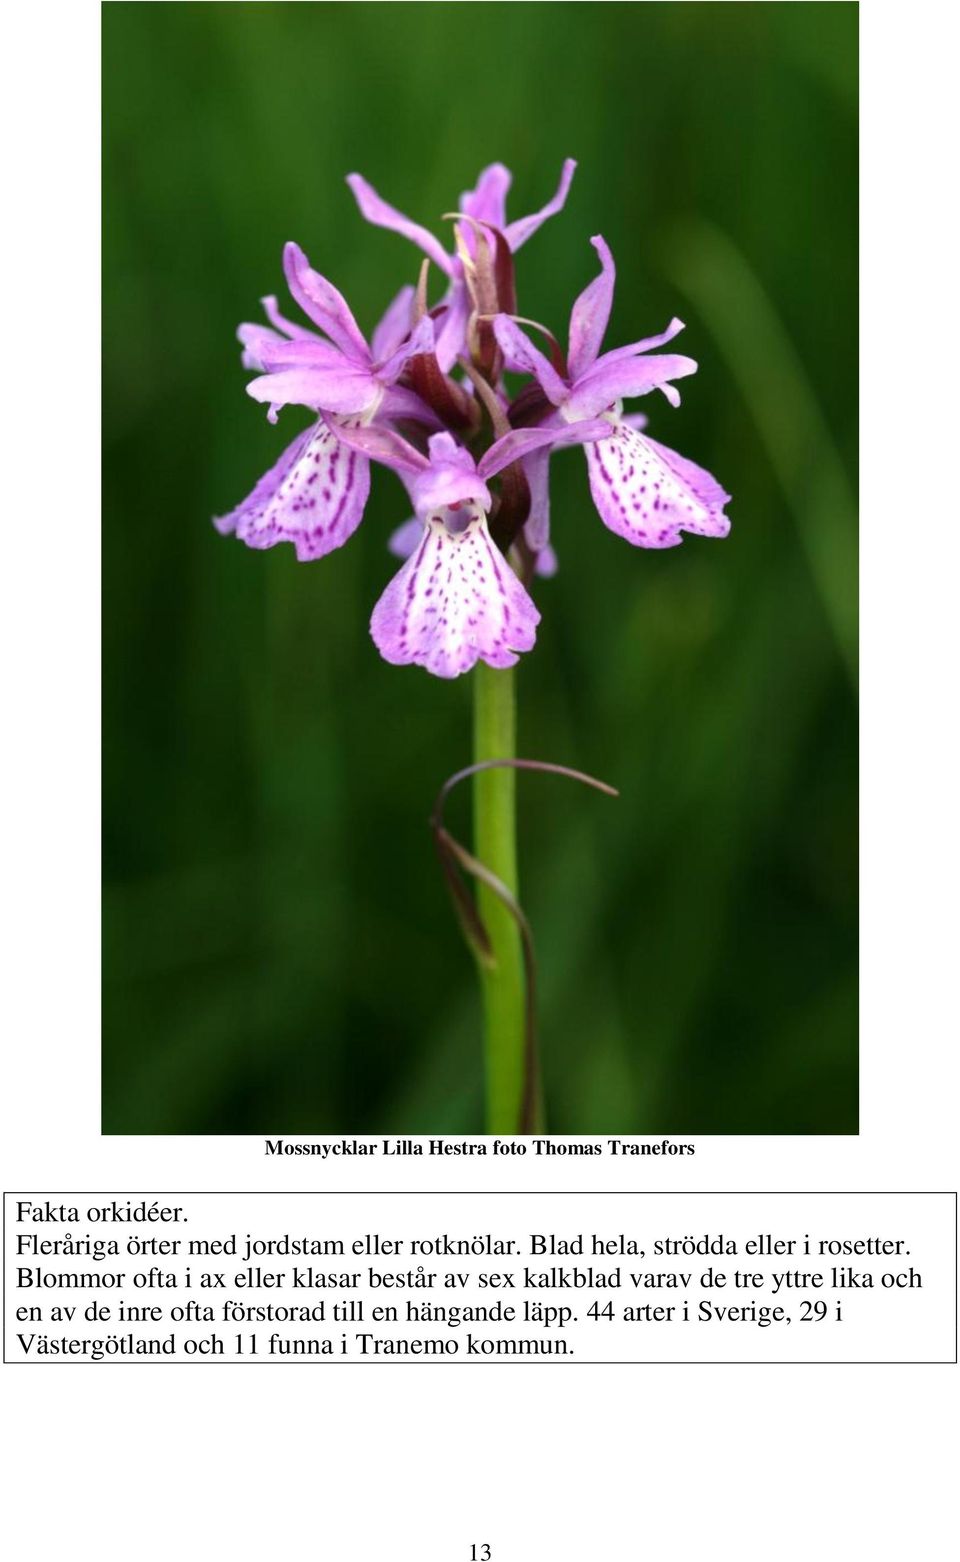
649 495
313 497
590 314
450 479
454 602
606 384
487 202
256 336
443 447
517 233
523 358
404 539
335 390
401 404
546 565
452 326
382 215
384 445
256 339
325 306
280 323
521 441
420 340
306 352
536 466
394 326
646 344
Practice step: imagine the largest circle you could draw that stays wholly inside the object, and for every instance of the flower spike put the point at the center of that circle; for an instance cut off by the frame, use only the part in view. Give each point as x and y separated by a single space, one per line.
426 397
467 409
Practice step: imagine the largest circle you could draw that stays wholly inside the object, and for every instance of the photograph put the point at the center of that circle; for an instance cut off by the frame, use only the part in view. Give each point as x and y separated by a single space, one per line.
479 561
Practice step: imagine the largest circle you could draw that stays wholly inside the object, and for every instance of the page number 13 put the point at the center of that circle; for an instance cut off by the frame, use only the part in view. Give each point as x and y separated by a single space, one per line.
480 1553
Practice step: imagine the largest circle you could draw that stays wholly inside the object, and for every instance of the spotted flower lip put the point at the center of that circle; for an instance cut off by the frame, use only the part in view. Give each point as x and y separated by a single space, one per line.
313 497
486 203
642 490
456 599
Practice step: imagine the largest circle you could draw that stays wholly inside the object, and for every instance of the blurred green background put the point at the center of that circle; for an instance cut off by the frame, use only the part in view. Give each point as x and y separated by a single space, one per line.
279 951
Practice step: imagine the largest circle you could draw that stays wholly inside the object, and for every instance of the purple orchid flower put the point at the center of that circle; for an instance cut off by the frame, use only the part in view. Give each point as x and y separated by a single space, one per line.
315 495
456 600
643 491
485 204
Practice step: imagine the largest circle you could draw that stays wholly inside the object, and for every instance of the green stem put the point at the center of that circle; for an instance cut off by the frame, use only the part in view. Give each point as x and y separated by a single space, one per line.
495 843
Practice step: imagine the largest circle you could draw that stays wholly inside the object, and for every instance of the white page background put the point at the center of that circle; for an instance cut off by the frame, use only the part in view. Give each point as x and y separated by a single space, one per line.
401 1462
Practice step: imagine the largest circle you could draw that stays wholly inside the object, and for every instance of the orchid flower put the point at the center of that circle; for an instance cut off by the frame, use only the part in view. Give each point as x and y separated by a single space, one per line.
643 491
316 493
484 205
